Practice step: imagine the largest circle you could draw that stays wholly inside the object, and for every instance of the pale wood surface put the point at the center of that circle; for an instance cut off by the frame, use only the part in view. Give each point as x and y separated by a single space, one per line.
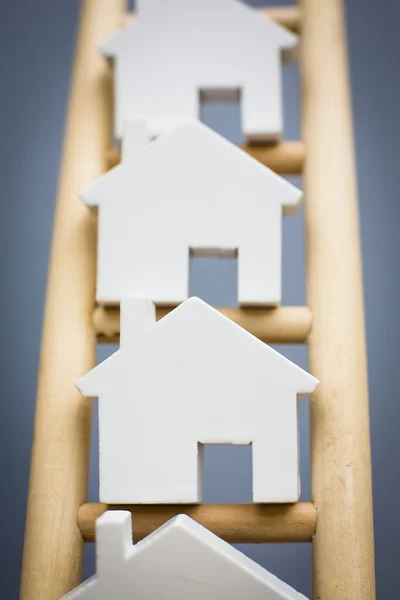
59 471
288 324
287 16
286 158
343 553
235 523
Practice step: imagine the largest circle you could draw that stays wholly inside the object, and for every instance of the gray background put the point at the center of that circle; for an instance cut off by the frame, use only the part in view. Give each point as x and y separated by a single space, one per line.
37 40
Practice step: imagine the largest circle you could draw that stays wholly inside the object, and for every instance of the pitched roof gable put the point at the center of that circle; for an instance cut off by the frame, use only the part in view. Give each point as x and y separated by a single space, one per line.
180 547
199 317
89 384
136 139
200 321
102 188
249 16
116 44
193 534
236 9
195 140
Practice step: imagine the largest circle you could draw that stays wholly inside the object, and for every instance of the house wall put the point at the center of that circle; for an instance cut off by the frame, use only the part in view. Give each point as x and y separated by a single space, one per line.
37 40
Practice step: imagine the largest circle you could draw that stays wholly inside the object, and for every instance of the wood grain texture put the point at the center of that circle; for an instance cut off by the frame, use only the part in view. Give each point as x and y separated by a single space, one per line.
288 324
235 523
343 556
53 547
286 158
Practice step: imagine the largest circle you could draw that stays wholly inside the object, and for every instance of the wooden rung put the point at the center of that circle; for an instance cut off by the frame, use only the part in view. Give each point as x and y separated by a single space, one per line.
287 16
285 158
287 324
235 523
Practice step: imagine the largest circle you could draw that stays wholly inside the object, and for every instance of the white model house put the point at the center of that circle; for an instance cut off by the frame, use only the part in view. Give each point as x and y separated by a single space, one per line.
176 51
192 378
181 560
189 191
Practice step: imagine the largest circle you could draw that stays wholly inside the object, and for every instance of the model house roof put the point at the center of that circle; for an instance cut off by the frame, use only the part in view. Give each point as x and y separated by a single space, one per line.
230 16
190 329
178 561
191 150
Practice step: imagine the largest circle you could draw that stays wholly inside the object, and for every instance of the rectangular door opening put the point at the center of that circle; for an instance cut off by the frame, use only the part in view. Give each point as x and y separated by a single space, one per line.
213 275
221 109
228 474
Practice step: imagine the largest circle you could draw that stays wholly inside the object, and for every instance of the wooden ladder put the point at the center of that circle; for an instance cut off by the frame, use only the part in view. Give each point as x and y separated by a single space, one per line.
339 519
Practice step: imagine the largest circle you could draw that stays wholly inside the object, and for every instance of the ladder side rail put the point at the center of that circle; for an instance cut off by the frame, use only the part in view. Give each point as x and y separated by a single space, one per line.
53 549
343 549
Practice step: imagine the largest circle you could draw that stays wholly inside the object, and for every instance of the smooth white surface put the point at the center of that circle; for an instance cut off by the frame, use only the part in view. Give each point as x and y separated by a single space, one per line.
188 190
179 561
176 50
192 378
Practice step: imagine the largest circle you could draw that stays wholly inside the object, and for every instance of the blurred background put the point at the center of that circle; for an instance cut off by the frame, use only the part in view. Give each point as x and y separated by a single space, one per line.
37 45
